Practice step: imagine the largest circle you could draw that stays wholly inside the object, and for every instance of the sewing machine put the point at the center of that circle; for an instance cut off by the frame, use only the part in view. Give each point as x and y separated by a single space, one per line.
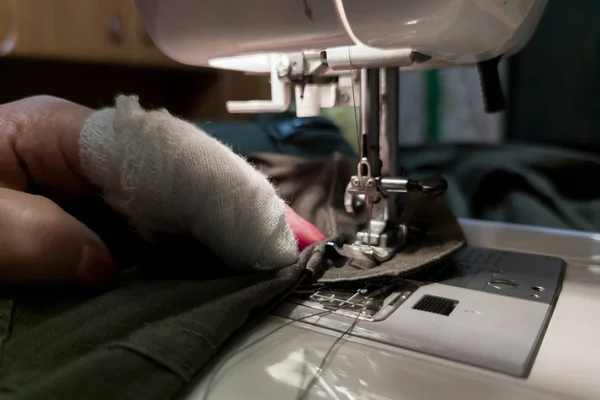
511 316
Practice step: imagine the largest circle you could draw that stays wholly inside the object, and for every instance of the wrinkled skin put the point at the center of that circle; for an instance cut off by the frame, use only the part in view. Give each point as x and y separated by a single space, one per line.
41 177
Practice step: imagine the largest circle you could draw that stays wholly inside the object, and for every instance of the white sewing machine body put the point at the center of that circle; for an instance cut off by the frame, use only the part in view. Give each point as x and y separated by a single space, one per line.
197 32
565 367
267 36
500 325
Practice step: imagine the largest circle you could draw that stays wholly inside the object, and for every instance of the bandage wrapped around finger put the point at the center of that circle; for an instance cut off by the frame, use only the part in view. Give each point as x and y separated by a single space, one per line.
168 176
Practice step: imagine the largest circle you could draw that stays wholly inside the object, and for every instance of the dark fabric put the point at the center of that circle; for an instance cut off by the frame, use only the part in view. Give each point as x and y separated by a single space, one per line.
142 340
310 138
524 184
315 190
148 337
518 183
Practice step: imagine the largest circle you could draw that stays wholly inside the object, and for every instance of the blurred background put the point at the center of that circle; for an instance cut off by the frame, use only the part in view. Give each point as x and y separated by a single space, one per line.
89 50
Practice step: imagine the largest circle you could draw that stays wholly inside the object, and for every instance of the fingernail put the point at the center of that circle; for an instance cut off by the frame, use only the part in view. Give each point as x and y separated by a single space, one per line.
97 269
305 232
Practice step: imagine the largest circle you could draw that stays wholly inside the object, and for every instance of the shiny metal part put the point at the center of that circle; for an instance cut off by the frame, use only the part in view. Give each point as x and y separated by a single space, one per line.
384 233
381 238
367 301
298 66
394 185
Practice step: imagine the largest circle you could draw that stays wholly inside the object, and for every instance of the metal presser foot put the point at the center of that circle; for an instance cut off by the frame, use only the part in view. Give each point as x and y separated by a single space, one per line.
382 238
385 233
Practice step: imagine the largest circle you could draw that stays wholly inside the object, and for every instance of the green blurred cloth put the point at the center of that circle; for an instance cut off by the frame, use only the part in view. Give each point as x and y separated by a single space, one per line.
523 184
518 183
145 339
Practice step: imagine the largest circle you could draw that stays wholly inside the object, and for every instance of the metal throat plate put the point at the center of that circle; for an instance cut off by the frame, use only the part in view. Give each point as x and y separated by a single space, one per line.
503 299
369 301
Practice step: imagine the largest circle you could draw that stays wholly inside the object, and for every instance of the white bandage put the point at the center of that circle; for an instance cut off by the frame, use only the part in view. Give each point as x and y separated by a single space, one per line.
166 175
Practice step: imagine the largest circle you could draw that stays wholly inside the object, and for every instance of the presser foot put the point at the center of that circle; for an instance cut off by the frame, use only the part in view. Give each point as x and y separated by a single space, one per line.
382 238
370 250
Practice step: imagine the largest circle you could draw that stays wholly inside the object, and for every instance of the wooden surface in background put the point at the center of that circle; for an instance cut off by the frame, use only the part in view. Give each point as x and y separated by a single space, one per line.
90 50
193 94
107 31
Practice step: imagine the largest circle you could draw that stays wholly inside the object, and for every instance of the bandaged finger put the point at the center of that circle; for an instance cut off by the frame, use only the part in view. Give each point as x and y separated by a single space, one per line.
168 176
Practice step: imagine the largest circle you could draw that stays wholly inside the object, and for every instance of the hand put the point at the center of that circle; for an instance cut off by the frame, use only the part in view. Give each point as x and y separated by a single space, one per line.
39 241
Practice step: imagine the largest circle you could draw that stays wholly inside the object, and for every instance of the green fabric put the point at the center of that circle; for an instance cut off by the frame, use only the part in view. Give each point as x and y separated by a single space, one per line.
316 190
347 119
432 106
310 138
524 184
142 340
146 338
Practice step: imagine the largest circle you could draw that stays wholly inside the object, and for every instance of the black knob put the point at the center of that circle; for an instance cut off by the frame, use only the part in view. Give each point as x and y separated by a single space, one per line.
431 187
491 87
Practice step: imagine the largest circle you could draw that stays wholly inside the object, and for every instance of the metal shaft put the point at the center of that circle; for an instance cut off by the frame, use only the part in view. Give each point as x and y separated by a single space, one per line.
369 145
392 117
390 126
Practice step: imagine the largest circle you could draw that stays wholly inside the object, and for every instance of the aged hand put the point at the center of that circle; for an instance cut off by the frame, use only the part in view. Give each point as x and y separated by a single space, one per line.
41 166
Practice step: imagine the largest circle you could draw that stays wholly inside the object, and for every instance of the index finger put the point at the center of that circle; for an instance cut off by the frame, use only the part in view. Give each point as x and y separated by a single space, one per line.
39 147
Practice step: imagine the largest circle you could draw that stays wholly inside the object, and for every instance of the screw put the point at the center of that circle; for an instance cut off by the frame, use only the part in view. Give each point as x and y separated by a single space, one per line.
344 97
355 182
283 69
370 183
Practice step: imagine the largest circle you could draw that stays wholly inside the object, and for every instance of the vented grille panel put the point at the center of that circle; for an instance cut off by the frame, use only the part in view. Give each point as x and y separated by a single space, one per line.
436 305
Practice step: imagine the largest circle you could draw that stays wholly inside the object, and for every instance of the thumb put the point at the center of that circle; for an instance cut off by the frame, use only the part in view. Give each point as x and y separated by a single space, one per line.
41 243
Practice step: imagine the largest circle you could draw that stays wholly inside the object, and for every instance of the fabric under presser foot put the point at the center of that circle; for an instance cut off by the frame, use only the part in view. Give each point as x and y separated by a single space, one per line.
315 190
